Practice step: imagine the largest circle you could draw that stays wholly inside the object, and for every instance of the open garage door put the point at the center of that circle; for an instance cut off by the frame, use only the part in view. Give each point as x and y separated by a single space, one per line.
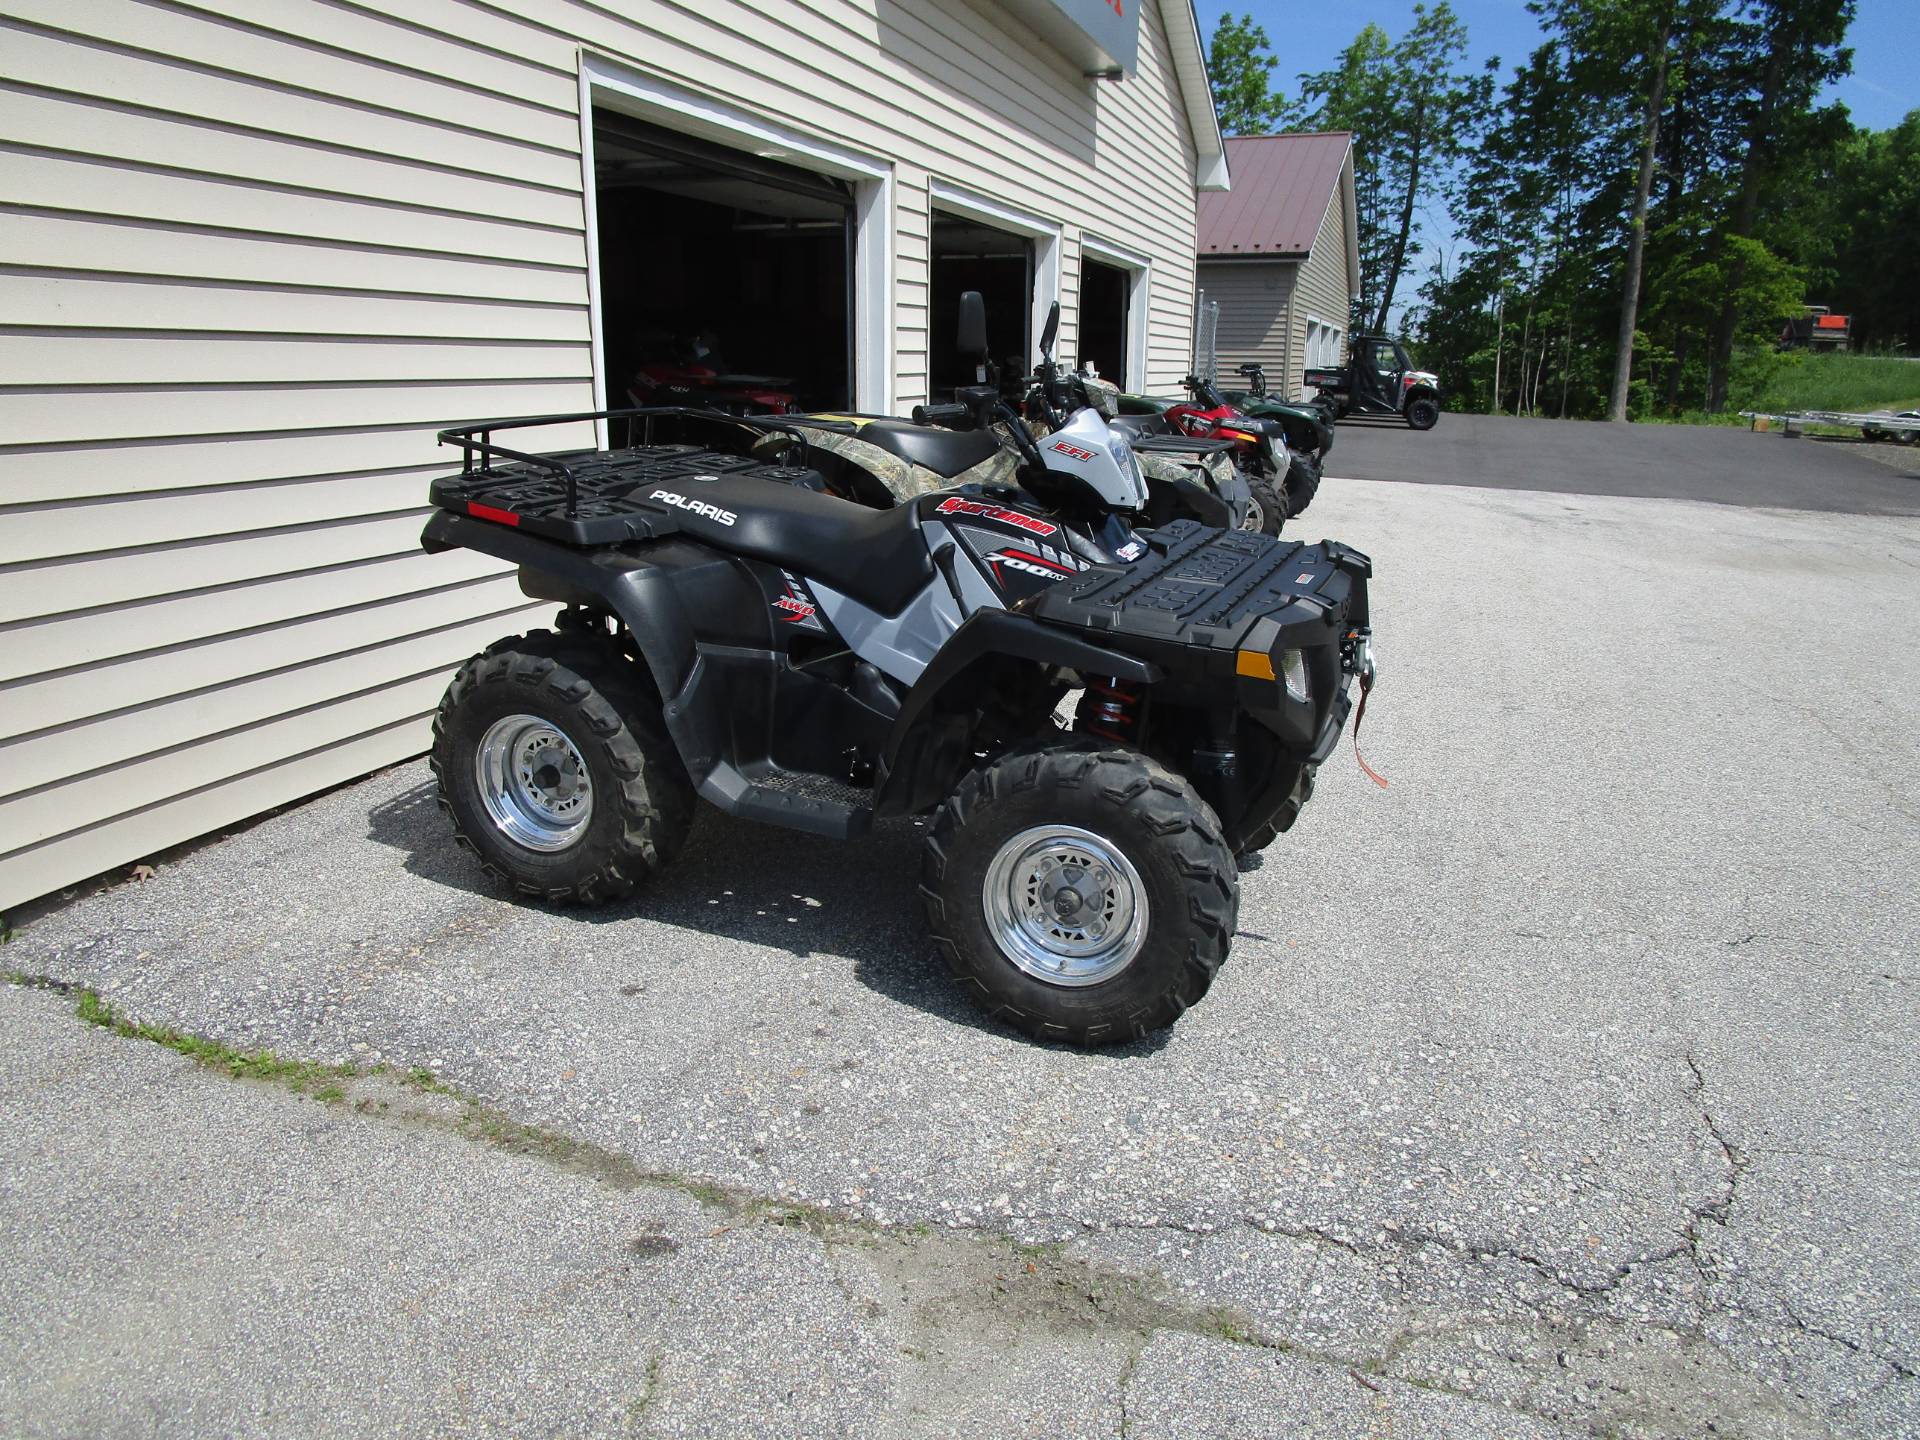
966 255
1106 291
724 278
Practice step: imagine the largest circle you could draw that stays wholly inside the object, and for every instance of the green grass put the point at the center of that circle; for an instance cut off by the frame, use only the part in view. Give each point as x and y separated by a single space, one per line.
297 1075
1842 382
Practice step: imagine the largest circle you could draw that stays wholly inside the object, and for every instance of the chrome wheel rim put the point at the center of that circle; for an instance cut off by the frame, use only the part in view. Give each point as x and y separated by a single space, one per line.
533 782
1255 518
1065 906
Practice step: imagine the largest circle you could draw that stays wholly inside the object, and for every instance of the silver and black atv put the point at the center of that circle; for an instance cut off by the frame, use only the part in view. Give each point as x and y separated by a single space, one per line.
882 461
732 632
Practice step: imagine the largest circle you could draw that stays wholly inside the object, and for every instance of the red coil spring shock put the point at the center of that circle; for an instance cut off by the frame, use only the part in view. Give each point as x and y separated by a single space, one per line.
1108 709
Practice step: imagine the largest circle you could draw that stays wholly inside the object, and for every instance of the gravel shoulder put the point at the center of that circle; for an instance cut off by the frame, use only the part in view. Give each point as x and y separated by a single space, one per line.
1569 1080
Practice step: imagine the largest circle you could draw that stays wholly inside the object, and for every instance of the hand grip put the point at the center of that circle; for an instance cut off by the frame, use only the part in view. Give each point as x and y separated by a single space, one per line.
941 414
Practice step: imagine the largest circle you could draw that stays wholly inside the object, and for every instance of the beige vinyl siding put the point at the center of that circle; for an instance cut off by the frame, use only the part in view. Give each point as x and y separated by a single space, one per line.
1255 315
1322 290
254 252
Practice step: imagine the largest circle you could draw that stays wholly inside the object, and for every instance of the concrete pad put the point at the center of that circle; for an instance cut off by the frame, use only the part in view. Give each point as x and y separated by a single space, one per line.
1498 1048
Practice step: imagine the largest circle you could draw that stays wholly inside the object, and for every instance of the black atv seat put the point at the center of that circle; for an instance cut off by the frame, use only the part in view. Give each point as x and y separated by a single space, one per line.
1141 427
875 556
945 452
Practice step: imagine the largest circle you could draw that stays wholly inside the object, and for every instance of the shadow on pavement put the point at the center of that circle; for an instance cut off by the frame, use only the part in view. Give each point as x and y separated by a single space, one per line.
758 884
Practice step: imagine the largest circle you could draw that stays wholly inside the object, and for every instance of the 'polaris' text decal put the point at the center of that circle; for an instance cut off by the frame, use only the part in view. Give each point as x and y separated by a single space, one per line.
695 507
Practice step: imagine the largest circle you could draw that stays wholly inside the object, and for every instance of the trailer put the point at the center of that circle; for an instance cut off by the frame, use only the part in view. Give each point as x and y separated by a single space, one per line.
1817 328
1902 426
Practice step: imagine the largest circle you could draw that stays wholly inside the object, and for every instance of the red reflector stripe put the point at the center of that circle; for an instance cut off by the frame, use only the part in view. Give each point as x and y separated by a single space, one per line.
487 512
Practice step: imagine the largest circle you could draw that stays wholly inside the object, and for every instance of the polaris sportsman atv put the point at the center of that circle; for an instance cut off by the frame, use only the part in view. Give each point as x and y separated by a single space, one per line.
732 632
880 460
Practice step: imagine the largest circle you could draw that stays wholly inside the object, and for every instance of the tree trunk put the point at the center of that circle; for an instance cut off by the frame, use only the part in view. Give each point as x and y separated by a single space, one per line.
1399 259
1526 332
1566 359
1637 233
1720 361
1679 364
1499 340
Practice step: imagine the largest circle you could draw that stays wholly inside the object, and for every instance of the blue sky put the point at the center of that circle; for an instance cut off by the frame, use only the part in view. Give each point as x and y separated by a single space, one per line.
1884 86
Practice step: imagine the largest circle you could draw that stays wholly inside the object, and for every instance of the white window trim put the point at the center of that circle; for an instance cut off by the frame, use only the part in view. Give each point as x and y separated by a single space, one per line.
1139 298
1045 235
615 86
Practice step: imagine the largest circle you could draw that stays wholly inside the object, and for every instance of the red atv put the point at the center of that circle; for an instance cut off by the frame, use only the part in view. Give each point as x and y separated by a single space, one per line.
690 374
1259 446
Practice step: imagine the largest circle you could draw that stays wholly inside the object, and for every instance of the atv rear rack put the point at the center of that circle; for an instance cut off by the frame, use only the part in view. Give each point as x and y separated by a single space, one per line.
479 452
584 497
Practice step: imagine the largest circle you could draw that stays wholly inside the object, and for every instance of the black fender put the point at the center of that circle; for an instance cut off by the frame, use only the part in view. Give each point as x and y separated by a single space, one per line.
925 758
640 595
1169 500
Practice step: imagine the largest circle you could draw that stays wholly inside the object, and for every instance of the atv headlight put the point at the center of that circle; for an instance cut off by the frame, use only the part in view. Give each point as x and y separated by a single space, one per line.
1129 463
1293 670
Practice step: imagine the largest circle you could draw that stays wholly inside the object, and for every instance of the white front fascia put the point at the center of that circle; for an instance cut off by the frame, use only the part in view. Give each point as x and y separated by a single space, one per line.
615 86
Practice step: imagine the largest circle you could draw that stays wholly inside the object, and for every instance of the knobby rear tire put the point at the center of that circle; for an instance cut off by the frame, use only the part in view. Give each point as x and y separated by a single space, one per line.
584 687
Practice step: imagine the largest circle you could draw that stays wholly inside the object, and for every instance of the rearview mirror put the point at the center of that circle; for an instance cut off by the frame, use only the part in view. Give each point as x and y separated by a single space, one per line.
973 326
1052 330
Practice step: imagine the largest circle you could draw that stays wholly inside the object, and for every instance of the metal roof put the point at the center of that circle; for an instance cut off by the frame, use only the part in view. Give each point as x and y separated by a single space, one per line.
1282 185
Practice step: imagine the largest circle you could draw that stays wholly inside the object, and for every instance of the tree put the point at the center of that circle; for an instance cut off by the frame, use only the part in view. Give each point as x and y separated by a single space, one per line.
1240 63
1874 268
1637 224
1794 50
1414 112
1656 190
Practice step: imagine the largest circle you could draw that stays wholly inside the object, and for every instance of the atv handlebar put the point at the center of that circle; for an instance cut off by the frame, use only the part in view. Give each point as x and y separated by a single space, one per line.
941 414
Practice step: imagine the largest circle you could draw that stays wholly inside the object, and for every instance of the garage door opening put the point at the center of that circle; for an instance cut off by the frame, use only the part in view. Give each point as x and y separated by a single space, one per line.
999 264
1106 292
714 260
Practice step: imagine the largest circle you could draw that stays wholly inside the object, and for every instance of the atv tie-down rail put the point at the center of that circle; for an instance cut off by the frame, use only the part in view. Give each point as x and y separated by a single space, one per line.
576 496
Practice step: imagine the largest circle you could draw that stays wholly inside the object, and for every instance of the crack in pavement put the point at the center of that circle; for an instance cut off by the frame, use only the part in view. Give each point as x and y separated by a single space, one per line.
1718 1210
1899 1368
1126 1381
1088 1299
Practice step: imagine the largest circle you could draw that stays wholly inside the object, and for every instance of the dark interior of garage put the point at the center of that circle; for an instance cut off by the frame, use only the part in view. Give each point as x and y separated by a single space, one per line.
1105 292
966 256
713 259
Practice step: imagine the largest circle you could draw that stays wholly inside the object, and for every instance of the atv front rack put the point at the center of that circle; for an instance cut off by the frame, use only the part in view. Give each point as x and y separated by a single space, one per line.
584 497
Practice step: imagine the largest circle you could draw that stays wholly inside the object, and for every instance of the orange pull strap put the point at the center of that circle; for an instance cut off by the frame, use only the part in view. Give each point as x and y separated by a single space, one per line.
1372 774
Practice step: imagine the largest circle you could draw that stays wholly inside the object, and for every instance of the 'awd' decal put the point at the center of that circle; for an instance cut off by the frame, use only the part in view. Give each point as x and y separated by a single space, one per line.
796 606
1072 451
695 507
957 505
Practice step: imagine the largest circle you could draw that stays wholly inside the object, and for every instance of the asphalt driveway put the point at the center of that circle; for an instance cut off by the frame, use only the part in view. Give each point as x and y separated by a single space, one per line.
1723 465
1571 1078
